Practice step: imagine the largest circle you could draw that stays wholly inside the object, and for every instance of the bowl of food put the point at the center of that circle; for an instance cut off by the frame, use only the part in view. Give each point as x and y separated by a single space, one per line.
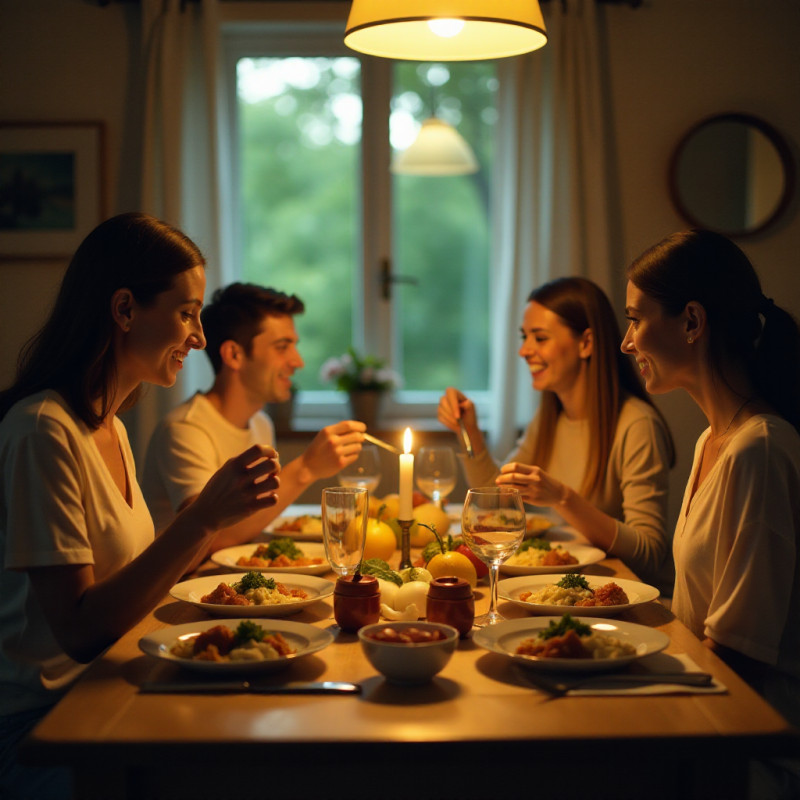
408 653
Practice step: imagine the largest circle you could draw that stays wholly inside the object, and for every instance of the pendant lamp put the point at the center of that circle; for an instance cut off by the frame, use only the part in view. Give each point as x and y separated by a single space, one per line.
445 30
439 149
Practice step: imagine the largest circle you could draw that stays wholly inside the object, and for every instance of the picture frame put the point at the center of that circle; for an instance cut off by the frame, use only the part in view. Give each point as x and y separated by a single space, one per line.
51 187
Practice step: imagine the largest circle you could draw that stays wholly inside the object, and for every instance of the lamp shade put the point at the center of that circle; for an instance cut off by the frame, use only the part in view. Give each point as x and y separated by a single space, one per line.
439 149
445 30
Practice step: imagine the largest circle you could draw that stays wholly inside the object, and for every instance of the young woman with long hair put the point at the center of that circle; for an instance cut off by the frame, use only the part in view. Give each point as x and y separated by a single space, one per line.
80 563
597 452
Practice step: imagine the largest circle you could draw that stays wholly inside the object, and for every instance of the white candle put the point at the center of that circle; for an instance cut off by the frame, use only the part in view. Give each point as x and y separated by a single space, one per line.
406 479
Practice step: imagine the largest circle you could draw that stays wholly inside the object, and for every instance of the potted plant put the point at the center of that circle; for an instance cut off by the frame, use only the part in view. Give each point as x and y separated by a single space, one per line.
366 380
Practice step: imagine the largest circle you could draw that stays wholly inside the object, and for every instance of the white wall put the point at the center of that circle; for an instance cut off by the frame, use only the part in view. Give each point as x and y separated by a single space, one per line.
672 62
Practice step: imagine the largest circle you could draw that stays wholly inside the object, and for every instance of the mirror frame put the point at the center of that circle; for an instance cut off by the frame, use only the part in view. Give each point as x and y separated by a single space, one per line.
784 154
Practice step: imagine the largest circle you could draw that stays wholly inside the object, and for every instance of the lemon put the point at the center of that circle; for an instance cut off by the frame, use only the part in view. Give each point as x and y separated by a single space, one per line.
429 514
453 563
392 503
380 541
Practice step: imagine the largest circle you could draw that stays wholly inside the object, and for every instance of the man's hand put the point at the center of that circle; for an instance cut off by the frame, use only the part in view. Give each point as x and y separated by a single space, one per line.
333 448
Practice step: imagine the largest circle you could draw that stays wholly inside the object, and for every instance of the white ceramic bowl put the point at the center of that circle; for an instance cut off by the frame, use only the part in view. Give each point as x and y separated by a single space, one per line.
411 663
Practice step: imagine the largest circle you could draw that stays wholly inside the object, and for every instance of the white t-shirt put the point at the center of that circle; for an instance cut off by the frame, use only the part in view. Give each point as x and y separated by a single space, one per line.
187 447
58 505
736 551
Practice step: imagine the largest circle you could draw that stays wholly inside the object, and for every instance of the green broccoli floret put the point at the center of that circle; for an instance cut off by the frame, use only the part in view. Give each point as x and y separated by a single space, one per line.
248 630
284 546
537 543
573 581
253 580
566 623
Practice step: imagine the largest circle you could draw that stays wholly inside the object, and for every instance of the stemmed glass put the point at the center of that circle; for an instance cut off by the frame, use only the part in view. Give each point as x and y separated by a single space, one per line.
344 527
493 524
436 472
365 471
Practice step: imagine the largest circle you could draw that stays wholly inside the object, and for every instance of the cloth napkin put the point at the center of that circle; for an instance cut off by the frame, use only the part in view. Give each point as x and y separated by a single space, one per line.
658 662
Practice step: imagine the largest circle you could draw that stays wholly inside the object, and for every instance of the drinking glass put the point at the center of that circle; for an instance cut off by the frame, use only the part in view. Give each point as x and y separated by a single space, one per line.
344 527
365 471
493 524
436 472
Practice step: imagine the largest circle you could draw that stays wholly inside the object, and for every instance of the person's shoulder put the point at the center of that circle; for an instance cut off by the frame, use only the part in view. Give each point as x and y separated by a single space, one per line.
40 408
769 434
193 410
634 409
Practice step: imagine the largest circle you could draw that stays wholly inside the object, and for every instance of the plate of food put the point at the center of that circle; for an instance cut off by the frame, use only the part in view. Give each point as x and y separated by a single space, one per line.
303 527
281 555
235 645
591 596
252 594
537 556
570 644
535 524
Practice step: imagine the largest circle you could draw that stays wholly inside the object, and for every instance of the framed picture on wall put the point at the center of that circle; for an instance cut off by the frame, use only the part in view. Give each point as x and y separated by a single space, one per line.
51 187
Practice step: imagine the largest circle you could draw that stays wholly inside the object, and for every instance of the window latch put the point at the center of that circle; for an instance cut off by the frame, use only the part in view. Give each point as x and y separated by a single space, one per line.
388 278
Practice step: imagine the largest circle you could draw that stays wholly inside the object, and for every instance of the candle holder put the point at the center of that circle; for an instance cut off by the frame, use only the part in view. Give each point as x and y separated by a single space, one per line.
405 542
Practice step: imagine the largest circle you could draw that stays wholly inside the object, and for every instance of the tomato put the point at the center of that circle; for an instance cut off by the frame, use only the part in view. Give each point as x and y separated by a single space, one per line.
380 542
481 568
452 562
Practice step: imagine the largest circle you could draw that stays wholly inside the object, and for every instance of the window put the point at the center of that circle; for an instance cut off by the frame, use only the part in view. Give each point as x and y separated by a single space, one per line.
320 215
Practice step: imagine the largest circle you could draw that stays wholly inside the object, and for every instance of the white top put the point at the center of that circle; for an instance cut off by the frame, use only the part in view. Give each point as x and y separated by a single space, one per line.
58 505
187 447
634 490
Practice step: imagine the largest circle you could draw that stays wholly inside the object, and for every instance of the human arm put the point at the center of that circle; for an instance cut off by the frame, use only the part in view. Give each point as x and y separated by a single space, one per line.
628 519
87 615
333 448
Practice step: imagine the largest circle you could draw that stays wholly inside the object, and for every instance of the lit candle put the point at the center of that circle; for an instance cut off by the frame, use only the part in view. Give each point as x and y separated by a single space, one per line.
406 479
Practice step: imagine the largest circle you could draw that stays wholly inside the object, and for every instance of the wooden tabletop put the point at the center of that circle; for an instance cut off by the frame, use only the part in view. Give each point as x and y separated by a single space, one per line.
479 719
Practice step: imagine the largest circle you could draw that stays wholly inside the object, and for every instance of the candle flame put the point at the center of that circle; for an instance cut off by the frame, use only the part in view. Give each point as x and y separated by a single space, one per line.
407 441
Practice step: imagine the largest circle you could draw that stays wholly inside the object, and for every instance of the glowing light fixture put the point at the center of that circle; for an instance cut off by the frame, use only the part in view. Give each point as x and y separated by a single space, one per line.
439 149
445 30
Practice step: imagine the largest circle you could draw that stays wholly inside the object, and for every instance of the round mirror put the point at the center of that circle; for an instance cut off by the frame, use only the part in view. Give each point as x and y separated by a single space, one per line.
733 174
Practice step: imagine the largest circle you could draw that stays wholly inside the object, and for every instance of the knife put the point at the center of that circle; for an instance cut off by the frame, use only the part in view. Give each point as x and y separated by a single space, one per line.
245 687
465 438
559 687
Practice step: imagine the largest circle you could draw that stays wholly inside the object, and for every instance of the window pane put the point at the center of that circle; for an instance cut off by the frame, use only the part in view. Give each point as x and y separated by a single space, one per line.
441 230
300 138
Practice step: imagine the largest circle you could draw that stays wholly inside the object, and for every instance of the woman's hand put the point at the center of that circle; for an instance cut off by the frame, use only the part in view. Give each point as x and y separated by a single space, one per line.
453 405
534 484
240 487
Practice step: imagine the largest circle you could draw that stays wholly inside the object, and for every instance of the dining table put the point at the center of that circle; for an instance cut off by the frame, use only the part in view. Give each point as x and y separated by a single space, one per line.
481 728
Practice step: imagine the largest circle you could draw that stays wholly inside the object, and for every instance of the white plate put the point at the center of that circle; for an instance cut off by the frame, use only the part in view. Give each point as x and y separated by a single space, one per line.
230 555
305 639
511 588
315 535
192 590
586 556
504 638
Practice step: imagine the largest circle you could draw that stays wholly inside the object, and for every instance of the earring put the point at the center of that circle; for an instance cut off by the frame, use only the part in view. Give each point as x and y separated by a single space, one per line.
690 340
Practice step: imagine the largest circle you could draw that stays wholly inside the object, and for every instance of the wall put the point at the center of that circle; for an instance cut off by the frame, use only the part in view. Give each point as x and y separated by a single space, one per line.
672 62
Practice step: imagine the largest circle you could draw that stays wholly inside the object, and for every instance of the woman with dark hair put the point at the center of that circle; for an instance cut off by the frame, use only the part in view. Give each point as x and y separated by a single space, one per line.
698 321
597 452
80 563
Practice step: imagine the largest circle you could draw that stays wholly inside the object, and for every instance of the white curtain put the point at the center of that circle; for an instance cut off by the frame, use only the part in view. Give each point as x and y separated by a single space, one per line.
551 191
182 162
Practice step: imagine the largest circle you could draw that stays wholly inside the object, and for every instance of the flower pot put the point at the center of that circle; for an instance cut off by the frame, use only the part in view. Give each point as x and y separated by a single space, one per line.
366 407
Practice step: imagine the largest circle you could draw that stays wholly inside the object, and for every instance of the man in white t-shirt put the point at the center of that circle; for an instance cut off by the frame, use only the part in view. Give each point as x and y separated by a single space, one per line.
252 346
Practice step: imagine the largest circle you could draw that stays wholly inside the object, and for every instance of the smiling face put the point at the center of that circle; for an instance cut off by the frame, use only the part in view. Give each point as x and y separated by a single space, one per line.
159 336
555 354
266 373
657 341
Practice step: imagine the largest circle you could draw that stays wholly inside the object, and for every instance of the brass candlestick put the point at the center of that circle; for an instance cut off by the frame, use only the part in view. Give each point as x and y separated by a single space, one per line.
405 542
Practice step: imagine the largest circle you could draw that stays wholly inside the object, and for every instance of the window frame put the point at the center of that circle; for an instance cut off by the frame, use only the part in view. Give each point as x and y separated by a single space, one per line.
373 324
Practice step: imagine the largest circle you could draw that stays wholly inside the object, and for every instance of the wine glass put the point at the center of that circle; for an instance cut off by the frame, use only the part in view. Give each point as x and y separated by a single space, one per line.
436 472
365 471
493 524
344 527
